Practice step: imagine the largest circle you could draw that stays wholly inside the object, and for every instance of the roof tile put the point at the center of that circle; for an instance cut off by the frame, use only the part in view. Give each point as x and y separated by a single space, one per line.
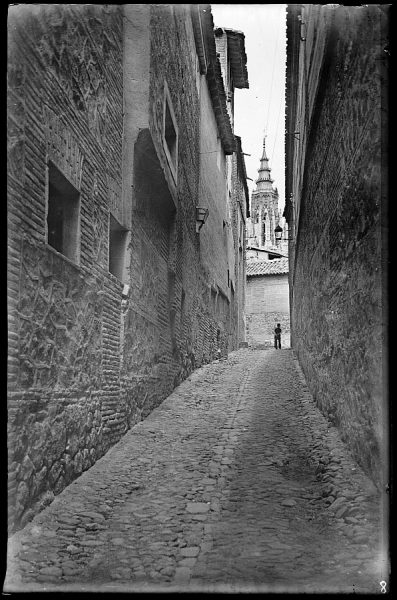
278 266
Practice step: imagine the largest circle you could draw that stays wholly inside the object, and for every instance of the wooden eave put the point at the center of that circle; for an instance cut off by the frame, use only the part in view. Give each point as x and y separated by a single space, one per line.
293 40
203 26
238 57
242 172
199 37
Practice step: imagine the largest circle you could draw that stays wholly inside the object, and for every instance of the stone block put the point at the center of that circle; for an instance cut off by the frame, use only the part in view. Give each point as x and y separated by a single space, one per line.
78 463
54 473
170 324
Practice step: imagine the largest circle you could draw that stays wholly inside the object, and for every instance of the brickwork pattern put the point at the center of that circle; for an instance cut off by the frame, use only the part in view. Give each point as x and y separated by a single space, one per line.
86 362
238 218
267 303
261 326
68 107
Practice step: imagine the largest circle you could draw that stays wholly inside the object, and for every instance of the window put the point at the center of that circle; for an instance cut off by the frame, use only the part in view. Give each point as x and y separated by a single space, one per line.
264 234
170 133
117 247
213 299
63 214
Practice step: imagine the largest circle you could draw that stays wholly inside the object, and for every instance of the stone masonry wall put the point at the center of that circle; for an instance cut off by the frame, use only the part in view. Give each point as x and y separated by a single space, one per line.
337 282
87 359
65 105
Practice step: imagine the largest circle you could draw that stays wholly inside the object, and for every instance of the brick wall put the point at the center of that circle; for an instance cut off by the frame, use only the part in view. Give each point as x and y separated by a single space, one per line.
66 107
267 303
90 354
238 216
337 305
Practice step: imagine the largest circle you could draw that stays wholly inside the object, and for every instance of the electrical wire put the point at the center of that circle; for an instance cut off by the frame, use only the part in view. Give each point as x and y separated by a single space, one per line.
278 120
274 63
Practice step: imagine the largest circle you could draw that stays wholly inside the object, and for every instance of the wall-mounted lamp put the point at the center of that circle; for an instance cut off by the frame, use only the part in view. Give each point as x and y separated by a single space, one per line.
302 25
278 232
201 217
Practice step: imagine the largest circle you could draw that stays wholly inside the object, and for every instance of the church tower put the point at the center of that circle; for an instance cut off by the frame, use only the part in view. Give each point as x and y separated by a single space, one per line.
264 207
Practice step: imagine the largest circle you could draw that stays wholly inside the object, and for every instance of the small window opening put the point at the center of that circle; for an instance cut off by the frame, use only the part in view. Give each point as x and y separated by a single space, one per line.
213 299
170 134
63 215
117 247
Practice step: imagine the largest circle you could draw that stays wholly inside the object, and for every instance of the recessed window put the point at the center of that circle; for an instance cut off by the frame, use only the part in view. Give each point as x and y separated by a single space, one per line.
213 299
170 133
117 247
63 214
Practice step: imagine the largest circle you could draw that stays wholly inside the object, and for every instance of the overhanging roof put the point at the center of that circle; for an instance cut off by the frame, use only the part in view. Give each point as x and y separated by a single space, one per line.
218 98
203 27
243 173
238 57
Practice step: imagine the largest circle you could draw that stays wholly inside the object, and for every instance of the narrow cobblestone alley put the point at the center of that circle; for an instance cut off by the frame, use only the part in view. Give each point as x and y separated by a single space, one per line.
235 483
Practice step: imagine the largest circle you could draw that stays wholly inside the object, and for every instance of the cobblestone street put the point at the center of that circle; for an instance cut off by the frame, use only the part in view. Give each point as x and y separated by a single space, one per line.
235 483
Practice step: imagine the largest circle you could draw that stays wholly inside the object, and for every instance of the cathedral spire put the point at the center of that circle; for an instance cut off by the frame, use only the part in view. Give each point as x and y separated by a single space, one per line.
264 181
264 205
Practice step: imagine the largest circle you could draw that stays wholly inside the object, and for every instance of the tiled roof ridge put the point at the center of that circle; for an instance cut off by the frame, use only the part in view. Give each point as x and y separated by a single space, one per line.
278 266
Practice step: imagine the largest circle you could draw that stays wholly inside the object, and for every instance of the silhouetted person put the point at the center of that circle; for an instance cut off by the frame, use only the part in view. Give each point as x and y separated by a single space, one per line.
277 336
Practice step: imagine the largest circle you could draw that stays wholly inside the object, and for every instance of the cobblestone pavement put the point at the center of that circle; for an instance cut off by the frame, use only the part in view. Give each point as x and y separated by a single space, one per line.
235 483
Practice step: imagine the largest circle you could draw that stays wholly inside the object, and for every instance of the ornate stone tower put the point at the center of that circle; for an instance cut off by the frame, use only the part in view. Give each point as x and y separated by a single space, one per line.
264 207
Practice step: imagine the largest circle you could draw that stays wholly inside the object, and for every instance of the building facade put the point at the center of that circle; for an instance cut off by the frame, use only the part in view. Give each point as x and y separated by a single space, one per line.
335 208
267 302
239 216
113 296
265 211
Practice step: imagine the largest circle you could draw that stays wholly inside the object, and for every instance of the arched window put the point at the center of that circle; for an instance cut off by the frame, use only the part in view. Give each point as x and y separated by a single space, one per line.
263 233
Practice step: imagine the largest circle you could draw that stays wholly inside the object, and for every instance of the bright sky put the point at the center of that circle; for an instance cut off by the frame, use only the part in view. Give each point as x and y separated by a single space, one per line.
261 107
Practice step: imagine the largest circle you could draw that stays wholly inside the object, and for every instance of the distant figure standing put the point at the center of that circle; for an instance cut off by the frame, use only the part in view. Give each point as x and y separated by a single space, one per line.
277 336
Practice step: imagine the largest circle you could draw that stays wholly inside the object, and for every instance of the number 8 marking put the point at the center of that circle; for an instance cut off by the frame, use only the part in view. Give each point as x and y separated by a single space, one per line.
383 587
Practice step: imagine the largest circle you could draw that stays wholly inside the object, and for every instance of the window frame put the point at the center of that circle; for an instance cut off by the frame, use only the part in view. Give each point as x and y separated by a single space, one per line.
167 104
121 271
74 256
